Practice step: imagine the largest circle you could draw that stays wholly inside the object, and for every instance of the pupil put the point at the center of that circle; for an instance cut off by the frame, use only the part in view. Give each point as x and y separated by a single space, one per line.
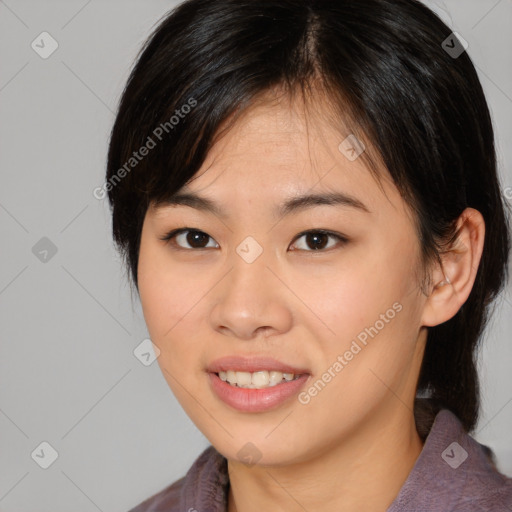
194 237
316 236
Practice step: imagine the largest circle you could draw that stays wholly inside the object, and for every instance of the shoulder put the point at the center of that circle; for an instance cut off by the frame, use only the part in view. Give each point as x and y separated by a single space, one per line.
491 492
454 473
204 484
485 488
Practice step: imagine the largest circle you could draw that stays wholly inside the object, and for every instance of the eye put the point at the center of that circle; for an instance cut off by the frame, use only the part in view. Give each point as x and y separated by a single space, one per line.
195 238
315 239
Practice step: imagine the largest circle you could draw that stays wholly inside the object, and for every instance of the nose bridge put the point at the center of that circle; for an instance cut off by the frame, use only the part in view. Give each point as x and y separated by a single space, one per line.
248 301
249 276
250 250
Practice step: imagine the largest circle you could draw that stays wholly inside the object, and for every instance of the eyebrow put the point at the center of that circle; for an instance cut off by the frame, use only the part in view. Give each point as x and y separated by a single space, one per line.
291 205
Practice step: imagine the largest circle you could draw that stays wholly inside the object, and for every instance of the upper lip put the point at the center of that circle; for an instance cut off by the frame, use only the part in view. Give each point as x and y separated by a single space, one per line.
252 364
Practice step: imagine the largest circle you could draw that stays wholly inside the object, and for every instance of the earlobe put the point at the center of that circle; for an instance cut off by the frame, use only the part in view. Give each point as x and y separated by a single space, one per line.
460 262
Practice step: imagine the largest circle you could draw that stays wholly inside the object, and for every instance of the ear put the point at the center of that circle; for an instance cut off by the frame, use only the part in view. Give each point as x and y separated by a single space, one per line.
453 282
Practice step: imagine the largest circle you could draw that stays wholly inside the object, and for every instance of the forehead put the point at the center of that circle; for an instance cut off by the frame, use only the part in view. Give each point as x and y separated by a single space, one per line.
276 152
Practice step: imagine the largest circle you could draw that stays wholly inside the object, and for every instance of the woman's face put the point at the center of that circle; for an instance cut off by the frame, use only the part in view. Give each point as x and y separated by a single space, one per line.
347 316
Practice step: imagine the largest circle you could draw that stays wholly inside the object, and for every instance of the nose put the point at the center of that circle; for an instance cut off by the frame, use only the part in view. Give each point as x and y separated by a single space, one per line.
251 301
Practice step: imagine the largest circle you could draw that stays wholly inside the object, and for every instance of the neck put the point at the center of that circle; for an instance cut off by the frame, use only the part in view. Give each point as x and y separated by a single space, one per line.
365 472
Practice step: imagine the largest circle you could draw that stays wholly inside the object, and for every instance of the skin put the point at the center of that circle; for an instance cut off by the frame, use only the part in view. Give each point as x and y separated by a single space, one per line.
353 445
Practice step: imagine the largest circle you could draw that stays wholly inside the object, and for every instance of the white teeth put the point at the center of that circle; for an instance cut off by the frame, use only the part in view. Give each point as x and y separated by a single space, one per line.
231 377
260 379
255 380
275 378
242 379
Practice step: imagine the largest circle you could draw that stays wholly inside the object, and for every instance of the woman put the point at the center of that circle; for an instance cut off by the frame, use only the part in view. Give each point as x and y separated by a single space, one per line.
306 197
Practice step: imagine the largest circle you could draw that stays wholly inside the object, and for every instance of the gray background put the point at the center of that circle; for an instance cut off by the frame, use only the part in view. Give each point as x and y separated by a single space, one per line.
68 327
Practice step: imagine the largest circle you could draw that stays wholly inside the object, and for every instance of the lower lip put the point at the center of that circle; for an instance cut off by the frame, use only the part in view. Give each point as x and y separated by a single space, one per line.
256 400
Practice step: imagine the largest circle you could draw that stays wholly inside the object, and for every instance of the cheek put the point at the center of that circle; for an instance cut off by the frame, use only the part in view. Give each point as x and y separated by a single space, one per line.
347 297
171 302
154 297
169 316
371 311
165 300
166 294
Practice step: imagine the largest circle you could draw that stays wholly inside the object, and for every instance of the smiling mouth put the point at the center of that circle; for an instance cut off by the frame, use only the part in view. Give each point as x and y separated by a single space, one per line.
256 380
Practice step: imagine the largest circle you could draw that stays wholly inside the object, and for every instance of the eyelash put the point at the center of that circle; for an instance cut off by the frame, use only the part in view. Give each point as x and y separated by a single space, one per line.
175 232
